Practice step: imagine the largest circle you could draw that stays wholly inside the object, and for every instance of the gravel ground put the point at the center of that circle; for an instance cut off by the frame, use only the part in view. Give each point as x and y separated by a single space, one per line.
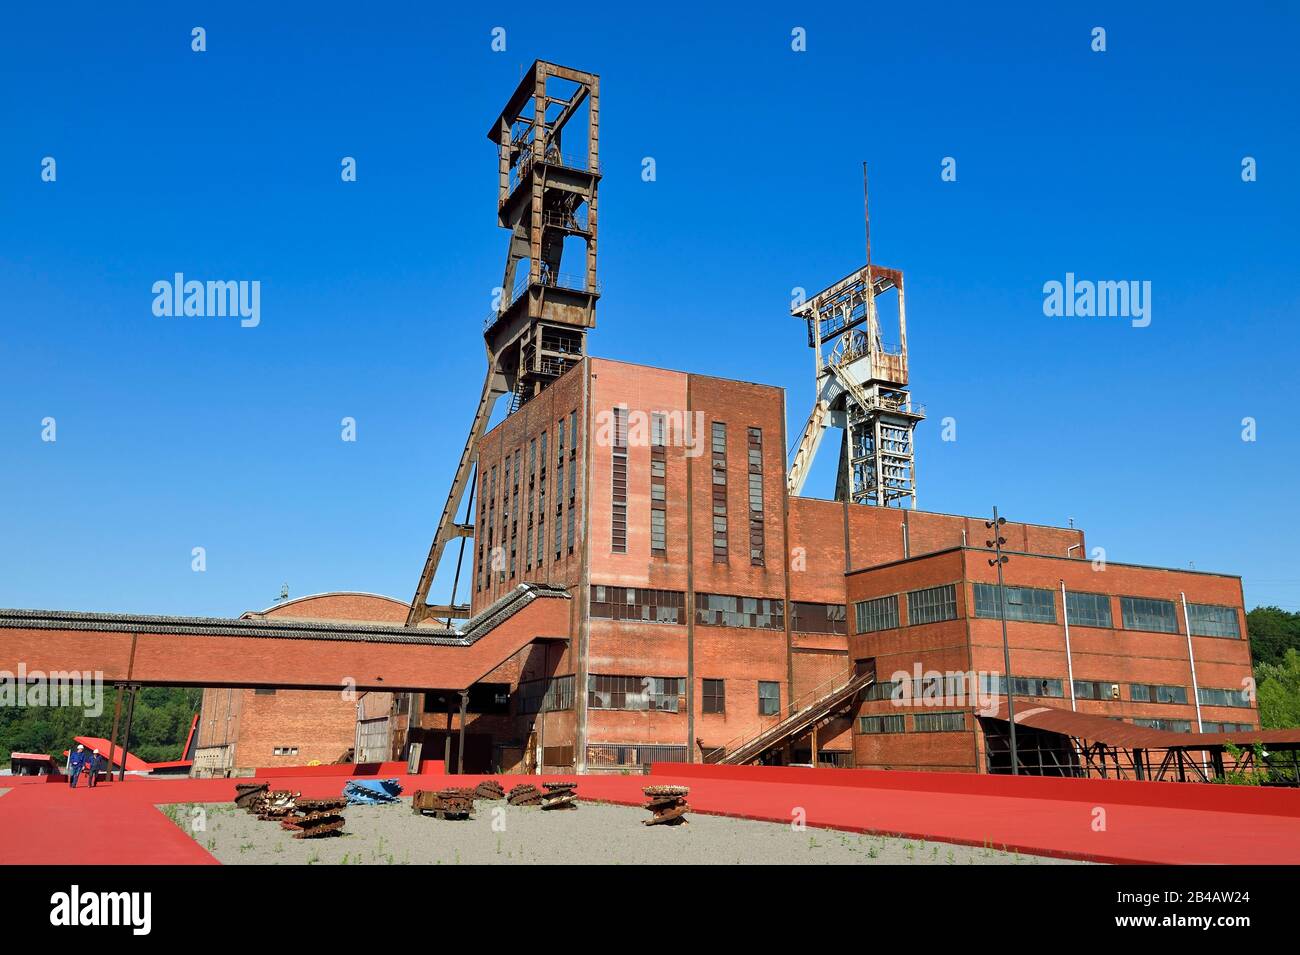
594 834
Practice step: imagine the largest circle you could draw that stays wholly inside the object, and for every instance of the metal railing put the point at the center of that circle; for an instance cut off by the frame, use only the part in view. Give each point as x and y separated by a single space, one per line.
520 170
799 707
565 280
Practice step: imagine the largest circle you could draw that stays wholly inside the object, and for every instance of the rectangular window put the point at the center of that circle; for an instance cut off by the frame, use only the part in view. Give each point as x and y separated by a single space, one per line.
650 693
932 605
618 456
1032 604
721 610
560 439
881 613
719 492
1088 610
541 498
769 698
638 603
658 486
756 557
818 618
545 696
1155 693
877 725
1172 726
1096 690
1145 613
714 697
1212 697
996 683
1229 727
1208 620
938 722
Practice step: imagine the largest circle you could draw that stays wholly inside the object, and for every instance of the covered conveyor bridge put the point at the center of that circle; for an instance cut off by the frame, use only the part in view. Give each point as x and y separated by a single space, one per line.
297 654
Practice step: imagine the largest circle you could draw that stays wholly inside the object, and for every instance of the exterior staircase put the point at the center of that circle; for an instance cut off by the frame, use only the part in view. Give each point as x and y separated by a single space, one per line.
824 701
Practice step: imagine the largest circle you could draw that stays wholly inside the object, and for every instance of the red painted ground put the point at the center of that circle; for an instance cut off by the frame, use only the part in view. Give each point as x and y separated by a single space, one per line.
117 822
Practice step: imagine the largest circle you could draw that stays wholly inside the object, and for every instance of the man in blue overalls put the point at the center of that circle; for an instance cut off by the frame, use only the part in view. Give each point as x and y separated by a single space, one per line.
94 763
76 763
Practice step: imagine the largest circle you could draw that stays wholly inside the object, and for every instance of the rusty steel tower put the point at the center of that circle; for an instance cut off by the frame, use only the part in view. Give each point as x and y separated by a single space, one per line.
862 388
537 329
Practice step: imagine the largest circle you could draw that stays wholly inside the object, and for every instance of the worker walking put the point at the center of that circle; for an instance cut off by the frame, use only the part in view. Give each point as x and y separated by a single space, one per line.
76 763
93 764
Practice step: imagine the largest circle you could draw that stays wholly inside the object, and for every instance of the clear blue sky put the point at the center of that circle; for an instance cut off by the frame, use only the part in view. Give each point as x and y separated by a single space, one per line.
175 433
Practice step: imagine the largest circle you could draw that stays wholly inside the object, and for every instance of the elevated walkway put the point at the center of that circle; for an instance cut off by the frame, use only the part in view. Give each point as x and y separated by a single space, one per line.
293 654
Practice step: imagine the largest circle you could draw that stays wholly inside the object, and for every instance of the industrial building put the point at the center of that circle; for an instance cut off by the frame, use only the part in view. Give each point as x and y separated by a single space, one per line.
713 613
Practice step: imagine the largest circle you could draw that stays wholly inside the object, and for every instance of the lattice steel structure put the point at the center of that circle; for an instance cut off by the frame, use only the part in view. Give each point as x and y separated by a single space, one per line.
862 390
538 327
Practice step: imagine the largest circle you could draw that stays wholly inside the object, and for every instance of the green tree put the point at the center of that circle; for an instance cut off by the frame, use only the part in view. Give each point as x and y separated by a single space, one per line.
1272 631
1277 689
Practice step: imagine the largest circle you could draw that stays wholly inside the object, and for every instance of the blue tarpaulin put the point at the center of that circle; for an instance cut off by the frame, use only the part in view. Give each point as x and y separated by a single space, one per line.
372 792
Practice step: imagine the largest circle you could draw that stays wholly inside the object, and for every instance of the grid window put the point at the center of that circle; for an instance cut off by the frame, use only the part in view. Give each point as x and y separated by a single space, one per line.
713 699
932 605
1032 604
1145 613
1212 697
719 492
722 610
769 698
1088 610
1095 690
1208 620
756 540
545 696
1172 726
938 722
996 684
658 486
638 603
876 725
1229 727
818 618
878 614
1155 693
650 693
618 453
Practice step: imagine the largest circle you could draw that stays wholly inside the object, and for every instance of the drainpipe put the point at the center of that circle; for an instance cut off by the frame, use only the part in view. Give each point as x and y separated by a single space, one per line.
907 547
1069 660
1191 658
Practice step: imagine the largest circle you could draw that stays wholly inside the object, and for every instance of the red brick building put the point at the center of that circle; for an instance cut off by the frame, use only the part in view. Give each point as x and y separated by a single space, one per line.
708 600
708 604
242 728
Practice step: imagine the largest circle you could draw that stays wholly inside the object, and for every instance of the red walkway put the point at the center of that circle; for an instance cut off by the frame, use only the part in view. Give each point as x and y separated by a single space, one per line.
1144 822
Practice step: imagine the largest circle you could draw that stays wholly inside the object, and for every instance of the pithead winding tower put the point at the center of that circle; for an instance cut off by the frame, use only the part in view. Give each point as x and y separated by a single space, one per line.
538 329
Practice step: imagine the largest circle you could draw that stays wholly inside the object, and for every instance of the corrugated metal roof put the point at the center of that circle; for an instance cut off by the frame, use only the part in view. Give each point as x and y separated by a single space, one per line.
1114 732
296 629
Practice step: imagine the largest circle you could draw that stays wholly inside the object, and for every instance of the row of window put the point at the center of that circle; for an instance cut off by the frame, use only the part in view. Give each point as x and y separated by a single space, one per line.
647 605
499 528
659 489
1038 605
956 722
921 723
664 694
953 685
931 605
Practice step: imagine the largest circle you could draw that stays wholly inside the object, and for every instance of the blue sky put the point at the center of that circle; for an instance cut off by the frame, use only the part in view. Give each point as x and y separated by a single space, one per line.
181 432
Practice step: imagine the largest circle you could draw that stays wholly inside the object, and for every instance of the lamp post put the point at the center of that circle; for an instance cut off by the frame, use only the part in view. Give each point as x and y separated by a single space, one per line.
998 560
